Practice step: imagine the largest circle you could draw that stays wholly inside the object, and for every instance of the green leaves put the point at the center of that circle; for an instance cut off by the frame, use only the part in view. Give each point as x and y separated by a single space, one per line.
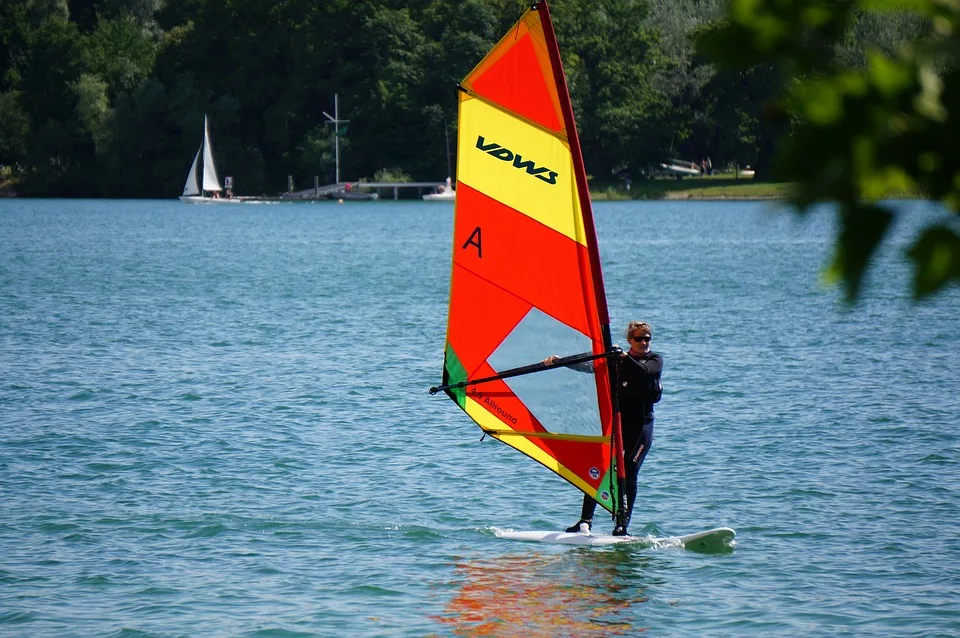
93 108
610 58
867 132
936 257
120 51
14 128
796 32
863 226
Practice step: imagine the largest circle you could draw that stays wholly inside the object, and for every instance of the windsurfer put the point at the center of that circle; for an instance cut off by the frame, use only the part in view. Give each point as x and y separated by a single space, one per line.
639 387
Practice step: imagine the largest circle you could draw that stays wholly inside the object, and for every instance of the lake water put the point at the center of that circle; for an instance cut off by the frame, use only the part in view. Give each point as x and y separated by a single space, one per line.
215 421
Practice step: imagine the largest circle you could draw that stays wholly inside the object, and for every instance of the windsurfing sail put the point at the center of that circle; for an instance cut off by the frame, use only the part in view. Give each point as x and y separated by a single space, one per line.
526 280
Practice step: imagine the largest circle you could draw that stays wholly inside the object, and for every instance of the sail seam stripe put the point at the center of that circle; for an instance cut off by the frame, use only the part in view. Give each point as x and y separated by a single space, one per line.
584 438
563 138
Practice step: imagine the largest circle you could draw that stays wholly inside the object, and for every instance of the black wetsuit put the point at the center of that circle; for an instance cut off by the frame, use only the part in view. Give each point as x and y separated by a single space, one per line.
638 382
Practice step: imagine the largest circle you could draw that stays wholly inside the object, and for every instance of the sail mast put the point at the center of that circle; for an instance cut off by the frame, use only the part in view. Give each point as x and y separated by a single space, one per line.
580 170
583 191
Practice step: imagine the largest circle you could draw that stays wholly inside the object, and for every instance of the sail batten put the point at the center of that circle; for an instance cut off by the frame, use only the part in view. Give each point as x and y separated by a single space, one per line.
583 438
513 114
525 280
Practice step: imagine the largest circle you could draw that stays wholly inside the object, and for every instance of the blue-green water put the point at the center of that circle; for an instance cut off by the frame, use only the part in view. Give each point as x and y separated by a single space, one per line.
214 421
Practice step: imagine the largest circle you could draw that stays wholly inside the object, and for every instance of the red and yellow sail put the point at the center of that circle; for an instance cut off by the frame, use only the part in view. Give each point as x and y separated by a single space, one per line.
526 280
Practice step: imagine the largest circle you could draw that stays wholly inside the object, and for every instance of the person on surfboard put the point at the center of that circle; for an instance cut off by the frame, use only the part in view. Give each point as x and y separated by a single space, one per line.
639 387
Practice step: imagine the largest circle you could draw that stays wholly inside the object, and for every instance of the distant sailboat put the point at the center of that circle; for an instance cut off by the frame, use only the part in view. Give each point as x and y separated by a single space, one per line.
445 193
192 193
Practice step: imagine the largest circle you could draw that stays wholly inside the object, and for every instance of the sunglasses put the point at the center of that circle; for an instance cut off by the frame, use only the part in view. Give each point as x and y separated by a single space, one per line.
641 338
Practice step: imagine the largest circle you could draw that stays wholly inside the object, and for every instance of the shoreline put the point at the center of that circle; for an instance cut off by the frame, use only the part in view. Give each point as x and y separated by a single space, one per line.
666 198
657 190
721 186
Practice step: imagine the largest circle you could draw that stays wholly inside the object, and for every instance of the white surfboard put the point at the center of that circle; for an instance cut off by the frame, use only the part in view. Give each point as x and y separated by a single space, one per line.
712 538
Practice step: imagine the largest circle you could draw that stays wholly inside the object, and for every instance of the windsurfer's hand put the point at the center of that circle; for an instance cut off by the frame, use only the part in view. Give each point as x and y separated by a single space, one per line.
550 360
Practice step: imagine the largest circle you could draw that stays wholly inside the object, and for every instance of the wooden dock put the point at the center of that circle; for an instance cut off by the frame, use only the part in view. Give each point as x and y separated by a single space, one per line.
344 189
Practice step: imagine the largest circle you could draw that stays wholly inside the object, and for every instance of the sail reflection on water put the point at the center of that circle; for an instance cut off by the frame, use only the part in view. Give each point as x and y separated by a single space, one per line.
580 594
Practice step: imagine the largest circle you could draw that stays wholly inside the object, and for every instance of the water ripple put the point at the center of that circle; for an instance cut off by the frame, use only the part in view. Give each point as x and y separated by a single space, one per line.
216 422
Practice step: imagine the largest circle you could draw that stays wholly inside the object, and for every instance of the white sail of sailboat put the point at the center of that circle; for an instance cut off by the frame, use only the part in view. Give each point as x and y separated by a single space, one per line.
210 191
191 187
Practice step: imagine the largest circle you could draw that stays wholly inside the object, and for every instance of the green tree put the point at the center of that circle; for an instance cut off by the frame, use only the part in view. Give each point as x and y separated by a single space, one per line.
609 56
121 52
682 78
736 126
50 68
456 38
93 109
14 30
14 128
377 72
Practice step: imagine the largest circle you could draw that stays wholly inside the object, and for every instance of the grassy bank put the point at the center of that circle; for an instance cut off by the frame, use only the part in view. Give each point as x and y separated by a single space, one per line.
712 187
6 182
